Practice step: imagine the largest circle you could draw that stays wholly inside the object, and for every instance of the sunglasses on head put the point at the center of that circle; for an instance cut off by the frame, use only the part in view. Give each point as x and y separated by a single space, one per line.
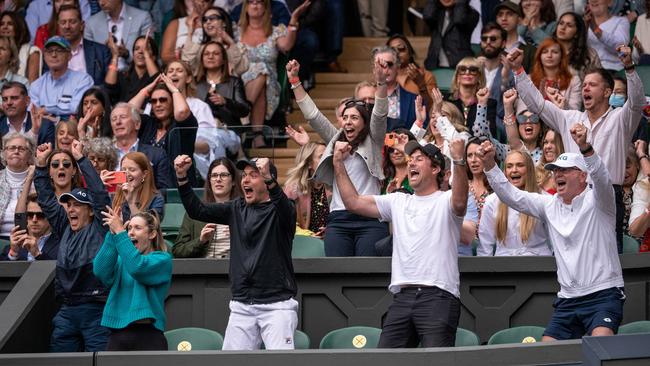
472 70
533 118
353 102
66 164
37 214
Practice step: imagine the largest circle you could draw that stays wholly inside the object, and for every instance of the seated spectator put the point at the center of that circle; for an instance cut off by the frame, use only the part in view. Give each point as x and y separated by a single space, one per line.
35 243
94 114
411 77
76 218
17 156
87 56
41 13
571 32
606 33
395 164
217 27
552 147
66 133
365 91
139 193
63 172
29 57
198 239
551 75
641 40
101 153
136 267
122 23
9 63
446 123
125 122
504 231
401 103
311 197
631 9
49 28
178 30
348 234
452 23
538 21
509 16
18 119
142 70
262 47
60 89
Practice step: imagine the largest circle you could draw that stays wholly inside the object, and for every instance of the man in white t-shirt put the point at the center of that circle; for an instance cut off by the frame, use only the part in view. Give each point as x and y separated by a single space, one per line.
581 224
426 230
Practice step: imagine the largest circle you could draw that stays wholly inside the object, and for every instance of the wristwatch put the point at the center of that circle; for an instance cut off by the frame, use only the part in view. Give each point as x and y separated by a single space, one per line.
459 162
269 182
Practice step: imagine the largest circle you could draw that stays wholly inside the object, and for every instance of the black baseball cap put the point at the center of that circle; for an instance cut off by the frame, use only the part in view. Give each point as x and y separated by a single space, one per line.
242 164
429 150
510 6
80 195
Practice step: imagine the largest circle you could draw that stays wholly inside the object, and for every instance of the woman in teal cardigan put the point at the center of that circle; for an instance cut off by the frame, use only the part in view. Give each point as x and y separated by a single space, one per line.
138 270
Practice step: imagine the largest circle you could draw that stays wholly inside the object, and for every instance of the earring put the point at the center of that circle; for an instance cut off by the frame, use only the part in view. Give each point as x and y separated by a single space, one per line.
142 180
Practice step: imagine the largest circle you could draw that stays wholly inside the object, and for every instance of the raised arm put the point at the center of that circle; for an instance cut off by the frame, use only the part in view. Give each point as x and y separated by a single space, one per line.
181 108
460 185
378 119
481 126
138 100
54 212
361 205
105 262
286 43
632 109
97 189
150 269
21 205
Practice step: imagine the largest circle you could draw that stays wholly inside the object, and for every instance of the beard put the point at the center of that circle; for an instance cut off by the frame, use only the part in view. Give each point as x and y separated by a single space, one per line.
491 53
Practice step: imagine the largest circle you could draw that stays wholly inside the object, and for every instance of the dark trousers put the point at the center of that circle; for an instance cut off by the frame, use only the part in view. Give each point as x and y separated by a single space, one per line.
137 337
78 328
348 235
620 214
421 315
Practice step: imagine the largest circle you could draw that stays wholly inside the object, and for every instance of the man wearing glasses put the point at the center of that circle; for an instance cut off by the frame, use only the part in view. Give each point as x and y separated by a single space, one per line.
59 90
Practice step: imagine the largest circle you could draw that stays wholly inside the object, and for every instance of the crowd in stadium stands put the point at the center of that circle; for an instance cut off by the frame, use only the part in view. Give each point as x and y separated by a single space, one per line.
107 104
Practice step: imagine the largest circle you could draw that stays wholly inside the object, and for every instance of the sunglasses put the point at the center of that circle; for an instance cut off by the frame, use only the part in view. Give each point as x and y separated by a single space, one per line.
472 70
36 214
389 63
489 38
210 18
66 164
160 100
533 118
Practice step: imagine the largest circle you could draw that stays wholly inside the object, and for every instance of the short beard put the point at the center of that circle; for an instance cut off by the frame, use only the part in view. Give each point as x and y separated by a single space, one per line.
492 54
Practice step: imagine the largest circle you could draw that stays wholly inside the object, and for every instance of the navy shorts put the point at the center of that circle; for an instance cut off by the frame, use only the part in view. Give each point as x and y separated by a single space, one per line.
576 317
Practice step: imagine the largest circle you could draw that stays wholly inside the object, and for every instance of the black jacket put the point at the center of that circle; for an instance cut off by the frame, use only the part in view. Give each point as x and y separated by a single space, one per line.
49 252
261 238
236 107
75 282
456 40
160 163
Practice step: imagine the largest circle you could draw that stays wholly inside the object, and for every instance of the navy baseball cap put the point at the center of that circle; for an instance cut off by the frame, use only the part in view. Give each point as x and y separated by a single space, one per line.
241 164
59 41
80 195
429 150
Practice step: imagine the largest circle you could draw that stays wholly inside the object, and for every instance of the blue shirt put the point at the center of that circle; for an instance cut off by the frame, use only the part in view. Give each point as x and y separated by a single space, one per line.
60 97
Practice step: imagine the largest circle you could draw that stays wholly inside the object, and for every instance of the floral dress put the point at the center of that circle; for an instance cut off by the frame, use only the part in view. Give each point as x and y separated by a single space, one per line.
263 61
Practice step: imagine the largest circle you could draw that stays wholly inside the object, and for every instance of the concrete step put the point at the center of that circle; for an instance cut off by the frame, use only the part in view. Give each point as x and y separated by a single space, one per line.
341 78
360 48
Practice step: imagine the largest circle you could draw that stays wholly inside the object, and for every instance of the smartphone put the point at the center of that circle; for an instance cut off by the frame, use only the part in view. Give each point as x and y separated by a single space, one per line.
504 53
119 177
390 139
20 220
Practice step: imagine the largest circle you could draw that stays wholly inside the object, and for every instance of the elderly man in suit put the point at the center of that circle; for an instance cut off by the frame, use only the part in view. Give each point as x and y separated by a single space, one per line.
121 22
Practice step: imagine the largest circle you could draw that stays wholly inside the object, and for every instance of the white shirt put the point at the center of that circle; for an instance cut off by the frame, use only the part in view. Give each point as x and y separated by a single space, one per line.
489 76
363 181
118 34
513 244
426 232
121 153
610 135
615 32
78 60
640 199
15 181
583 233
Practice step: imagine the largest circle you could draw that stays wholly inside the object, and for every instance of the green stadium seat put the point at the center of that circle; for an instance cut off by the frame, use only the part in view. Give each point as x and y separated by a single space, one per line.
351 338
630 245
644 74
300 340
466 337
523 334
642 326
444 77
476 49
193 339
3 243
171 223
170 245
307 246
172 195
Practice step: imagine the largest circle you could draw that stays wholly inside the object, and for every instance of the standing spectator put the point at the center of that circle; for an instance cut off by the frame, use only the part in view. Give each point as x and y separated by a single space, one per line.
63 171
307 44
179 30
606 33
373 16
493 40
138 270
40 12
641 40
125 121
451 23
538 21
571 32
551 75
411 77
335 28
17 156
122 23
348 234
632 170
504 231
552 147
142 70
14 27
76 218
509 16
87 56
94 113
446 124
18 119
198 239
262 279
9 62
479 188
49 29
610 130
139 193
60 89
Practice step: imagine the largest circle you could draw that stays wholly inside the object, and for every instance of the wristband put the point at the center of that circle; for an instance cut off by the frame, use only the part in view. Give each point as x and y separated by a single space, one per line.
629 67
294 86
295 80
519 71
380 83
511 118
269 182
460 162
644 156
112 67
587 150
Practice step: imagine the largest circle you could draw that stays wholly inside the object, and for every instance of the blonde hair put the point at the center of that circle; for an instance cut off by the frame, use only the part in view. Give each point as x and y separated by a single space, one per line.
147 189
153 224
526 223
266 20
190 88
299 175
468 61
453 115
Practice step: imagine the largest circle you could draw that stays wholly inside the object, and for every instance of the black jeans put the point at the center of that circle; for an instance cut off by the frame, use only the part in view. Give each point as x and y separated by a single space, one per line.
137 337
350 235
421 315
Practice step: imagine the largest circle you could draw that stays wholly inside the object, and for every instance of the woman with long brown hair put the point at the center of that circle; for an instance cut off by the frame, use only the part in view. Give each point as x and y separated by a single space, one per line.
512 233
552 147
139 193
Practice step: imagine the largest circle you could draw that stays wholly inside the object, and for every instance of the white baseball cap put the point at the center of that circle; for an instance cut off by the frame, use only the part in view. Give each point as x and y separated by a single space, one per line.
568 160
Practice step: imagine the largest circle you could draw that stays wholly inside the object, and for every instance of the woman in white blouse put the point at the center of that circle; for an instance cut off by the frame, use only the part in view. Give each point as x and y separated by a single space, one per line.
512 233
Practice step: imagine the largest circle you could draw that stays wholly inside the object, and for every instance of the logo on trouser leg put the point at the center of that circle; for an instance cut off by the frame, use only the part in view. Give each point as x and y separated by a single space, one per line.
288 340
